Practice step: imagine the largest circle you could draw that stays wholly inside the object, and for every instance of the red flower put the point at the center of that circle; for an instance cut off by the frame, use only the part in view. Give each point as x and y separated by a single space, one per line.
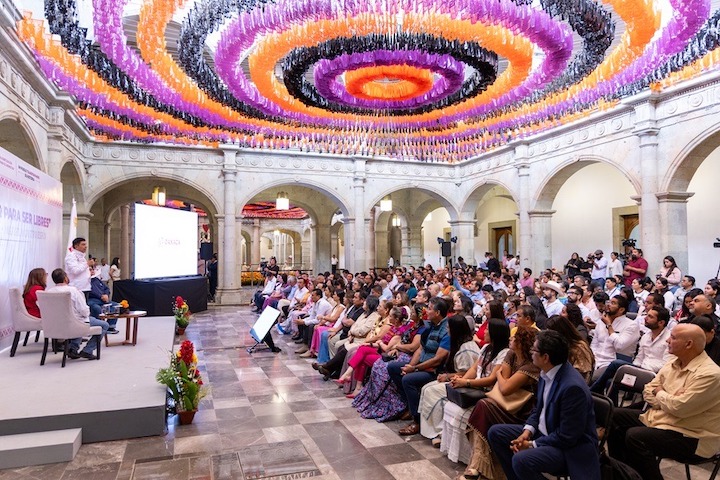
179 301
186 352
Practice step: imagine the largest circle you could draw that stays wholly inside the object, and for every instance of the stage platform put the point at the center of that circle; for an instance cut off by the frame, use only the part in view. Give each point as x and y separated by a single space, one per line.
114 398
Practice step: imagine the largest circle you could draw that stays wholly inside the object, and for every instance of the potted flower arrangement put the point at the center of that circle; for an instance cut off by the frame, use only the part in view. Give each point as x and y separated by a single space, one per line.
183 379
124 307
182 315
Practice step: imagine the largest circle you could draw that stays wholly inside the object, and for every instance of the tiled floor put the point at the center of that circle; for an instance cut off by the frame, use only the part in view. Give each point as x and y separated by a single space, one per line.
268 416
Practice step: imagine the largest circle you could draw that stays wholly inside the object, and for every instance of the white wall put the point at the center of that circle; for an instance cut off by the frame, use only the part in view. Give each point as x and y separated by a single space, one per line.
431 231
583 219
704 220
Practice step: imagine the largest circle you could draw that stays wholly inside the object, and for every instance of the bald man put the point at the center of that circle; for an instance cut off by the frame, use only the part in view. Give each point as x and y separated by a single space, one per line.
683 418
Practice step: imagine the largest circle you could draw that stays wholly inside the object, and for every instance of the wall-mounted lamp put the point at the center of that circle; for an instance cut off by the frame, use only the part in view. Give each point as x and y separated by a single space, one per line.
395 221
386 204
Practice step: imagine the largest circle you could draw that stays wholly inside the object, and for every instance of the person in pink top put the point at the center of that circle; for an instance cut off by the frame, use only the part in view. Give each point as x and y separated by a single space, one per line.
366 355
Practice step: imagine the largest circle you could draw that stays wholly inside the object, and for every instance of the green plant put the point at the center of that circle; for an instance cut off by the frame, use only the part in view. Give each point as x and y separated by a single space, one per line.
183 378
181 312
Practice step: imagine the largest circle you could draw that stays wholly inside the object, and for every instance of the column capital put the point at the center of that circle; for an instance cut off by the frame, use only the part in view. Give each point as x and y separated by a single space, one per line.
229 174
541 213
461 222
674 197
637 199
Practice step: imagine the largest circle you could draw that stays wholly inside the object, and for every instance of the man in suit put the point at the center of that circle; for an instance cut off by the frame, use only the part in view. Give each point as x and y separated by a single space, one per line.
560 436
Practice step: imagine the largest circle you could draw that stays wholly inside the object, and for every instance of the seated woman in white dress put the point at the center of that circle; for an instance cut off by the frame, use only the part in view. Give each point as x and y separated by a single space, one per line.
482 375
464 353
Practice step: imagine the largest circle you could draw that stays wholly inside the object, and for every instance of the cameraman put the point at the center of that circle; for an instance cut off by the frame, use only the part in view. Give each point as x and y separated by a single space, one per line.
271 267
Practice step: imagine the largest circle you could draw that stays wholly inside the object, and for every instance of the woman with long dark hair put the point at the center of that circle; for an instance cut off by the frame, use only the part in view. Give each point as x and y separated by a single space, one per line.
574 315
482 375
671 272
517 373
36 281
580 356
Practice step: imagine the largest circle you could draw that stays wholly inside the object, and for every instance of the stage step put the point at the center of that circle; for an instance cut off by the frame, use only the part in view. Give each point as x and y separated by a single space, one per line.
26 449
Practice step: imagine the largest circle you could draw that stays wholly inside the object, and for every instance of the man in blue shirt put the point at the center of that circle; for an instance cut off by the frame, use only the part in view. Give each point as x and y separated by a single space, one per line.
422 368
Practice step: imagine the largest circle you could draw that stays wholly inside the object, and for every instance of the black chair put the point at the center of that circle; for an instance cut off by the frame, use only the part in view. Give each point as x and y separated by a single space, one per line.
628 384
714 459
603 408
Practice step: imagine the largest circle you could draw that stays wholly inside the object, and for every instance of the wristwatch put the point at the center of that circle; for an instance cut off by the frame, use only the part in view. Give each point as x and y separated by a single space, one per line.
467 383
416 368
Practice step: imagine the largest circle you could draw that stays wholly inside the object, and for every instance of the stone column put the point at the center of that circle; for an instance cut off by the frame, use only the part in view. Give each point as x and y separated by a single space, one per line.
55 150
108 233
540 240
370 240
255 245
356 243
647 132
306 247
415 244
382 245
125 241
465 246
229 288
322 248
404 245
524 234
672 207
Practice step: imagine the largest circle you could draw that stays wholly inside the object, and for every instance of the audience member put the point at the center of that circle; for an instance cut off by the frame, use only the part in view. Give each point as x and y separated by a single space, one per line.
560 436
580 355
683 419
550 291
36 281
82 313
636 267
615 337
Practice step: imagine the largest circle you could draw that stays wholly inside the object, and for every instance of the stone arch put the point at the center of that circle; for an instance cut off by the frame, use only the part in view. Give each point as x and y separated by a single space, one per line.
553 182
72 182
431 191
207 199
477 192
271 189
17 137
683 167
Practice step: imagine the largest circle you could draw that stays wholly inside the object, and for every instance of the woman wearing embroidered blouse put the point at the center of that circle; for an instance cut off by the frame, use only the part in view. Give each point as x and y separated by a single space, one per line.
481 375
369 353
36 282
517 373
463 355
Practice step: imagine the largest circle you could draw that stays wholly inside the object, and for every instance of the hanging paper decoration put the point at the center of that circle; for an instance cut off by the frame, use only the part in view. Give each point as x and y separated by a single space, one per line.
418 80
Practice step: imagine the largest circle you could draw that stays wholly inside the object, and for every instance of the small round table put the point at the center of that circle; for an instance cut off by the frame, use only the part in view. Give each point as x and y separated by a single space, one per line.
132 315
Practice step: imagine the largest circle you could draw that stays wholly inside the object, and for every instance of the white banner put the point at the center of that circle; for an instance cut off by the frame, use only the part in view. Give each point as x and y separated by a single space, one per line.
30 229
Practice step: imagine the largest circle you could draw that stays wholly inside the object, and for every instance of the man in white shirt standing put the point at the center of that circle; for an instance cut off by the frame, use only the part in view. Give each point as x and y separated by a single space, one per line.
616 336
105 270
82 313
599 268
77 267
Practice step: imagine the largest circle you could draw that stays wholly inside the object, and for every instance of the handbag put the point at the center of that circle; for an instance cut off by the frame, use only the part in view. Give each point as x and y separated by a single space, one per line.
510 403
464 397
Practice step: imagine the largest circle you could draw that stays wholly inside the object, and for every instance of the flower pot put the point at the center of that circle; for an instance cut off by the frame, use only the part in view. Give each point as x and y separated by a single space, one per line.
180 330
186 418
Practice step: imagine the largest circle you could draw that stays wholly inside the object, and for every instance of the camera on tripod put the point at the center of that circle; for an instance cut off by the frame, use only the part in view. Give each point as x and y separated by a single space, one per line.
629 242
716 244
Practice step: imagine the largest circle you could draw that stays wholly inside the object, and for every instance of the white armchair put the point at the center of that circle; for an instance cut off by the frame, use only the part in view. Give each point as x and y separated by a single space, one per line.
22 321
59 322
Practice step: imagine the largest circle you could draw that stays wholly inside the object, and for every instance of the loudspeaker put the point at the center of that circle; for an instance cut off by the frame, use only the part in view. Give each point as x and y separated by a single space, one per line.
446 249
206 251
